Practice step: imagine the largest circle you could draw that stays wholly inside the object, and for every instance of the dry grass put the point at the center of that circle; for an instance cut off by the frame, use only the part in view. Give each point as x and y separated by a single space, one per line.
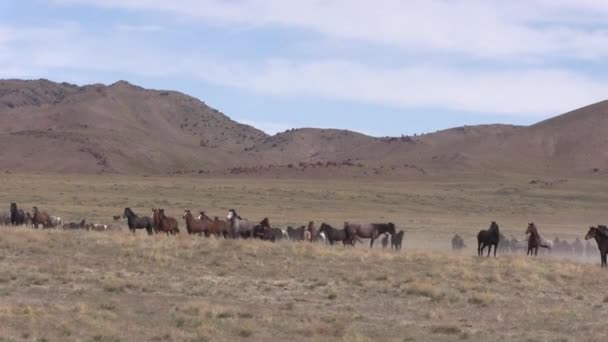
90 286
117 287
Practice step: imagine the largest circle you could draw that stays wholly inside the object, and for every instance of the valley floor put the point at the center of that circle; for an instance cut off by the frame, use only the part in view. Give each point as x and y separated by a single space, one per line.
112 286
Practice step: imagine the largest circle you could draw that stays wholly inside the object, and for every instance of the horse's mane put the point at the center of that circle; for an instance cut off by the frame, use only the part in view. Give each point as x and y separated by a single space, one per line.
130 211
603 230
265 222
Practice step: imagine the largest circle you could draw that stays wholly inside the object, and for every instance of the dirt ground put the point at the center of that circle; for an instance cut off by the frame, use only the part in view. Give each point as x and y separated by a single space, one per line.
112 286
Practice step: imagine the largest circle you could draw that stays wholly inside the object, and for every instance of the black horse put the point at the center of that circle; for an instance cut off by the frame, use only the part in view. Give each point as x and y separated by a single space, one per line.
137 222
397 240
264 231
600 234
296 234
333 235
17 215
488 238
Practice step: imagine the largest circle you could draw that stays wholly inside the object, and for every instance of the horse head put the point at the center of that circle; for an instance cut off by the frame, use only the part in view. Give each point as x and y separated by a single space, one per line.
391 228
494 226
591 233
265 223
186 213
531 228
127 213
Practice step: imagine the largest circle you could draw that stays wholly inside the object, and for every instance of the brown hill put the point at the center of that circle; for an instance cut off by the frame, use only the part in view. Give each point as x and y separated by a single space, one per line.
121 128
46 126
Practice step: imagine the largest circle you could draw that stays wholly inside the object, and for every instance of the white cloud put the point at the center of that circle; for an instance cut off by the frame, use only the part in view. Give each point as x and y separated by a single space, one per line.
520 34
474 28
537 91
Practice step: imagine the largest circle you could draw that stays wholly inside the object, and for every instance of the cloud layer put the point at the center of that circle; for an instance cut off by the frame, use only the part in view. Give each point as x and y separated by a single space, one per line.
520 58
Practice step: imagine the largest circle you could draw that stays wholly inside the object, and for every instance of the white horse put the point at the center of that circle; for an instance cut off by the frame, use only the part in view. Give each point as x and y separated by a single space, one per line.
240 227
56 221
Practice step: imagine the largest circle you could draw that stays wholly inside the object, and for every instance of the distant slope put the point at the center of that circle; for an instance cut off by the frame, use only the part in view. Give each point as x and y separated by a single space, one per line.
47 126
119 128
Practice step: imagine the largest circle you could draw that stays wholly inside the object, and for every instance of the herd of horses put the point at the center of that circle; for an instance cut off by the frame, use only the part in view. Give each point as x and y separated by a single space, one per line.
492 237
236 227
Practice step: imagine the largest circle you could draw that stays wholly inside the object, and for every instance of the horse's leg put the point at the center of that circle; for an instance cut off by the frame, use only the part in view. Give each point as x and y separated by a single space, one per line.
478 248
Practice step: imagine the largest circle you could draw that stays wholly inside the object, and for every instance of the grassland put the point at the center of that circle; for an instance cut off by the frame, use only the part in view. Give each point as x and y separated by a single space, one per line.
112 286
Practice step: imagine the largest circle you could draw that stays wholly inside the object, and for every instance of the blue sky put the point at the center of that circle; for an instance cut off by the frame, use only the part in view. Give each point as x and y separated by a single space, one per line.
384 67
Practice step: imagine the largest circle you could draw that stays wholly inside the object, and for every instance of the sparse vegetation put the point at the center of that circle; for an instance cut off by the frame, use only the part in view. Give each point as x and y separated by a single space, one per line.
113 286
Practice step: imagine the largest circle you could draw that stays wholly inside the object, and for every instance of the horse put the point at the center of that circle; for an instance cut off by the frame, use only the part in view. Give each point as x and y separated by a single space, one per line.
534 240
5 220
17 215
168 225
155 221
28 220
368 231
56 221
40 218
241 227
314 231
601 237
193 226
74 225
457 243
578 248
397 240
488 238
296 234
136 222
213 226
384 241
98 227
333 235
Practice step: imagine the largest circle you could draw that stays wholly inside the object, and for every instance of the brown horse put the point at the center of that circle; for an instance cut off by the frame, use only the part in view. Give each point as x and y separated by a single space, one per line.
313 230
215 226
368 231
534 240
601 237
168 225
155 221
41 218
193 226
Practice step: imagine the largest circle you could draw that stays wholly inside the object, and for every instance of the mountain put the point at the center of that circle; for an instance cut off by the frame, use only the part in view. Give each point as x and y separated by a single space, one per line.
116 128
123 128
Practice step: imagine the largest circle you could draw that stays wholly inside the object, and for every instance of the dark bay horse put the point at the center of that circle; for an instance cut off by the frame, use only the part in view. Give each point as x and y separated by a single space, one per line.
368 231
534 240
488 238
457 243
334 235
601 237
296 234
138 222
17 215
397 240
193 226
74 225
168 225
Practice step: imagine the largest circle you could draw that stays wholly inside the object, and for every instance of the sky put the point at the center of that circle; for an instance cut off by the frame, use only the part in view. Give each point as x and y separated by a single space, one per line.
381 67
